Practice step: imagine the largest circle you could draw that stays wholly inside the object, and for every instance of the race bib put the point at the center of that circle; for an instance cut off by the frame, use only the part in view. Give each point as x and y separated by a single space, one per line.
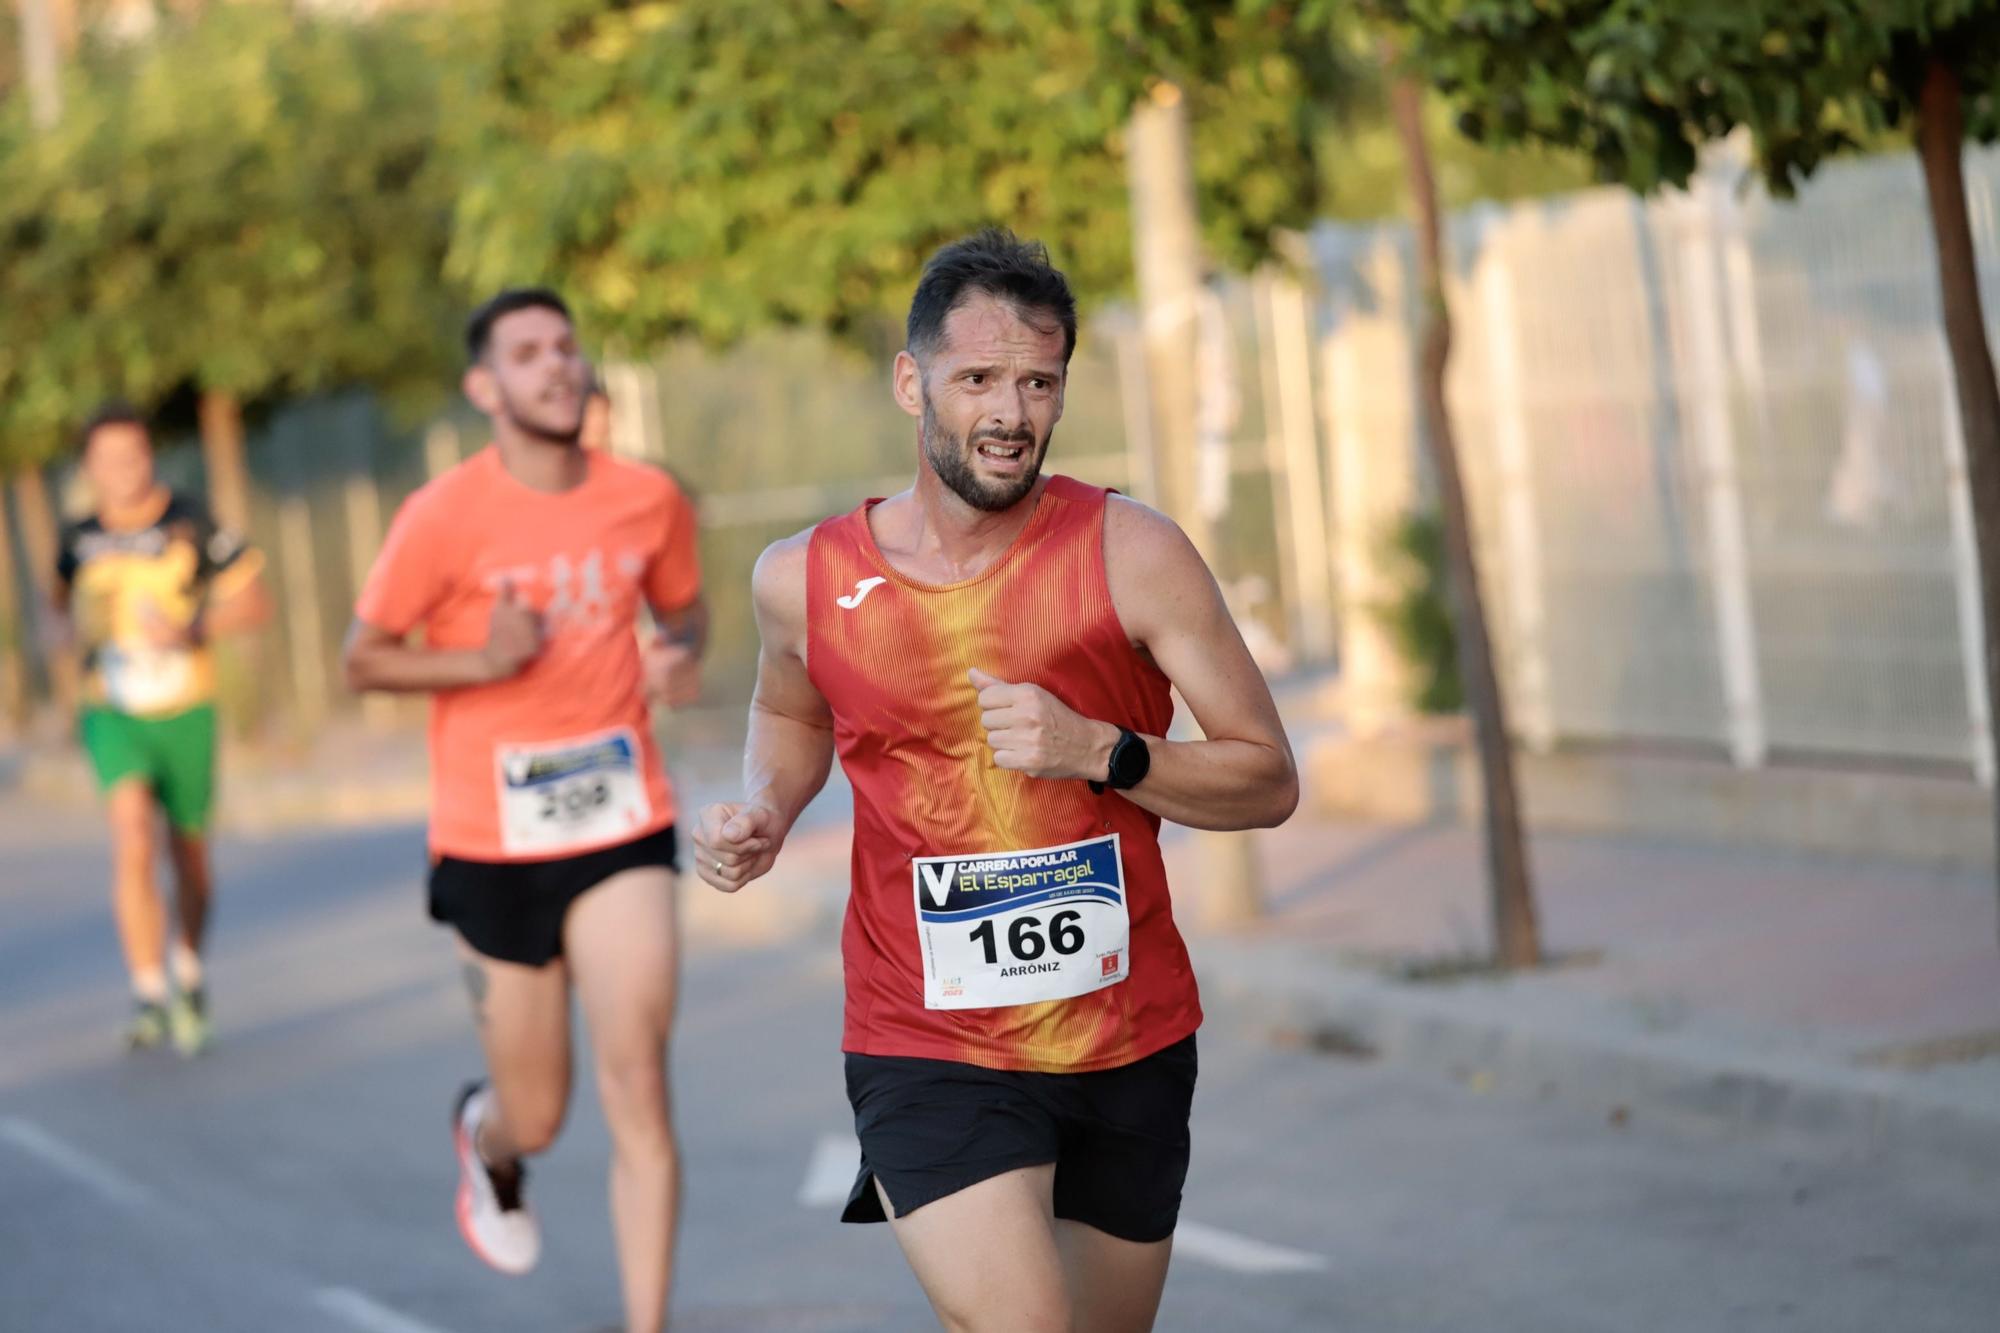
1008 928
147 680
559 796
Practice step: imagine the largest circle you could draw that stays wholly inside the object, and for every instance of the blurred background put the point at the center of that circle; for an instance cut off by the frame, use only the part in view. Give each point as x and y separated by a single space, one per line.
1717 389
1713 461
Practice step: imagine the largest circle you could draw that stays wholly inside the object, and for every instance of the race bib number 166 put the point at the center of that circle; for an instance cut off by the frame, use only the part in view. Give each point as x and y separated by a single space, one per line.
1006 928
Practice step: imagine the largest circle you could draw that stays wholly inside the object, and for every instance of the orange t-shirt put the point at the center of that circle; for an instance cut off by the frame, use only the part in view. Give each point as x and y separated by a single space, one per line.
559 759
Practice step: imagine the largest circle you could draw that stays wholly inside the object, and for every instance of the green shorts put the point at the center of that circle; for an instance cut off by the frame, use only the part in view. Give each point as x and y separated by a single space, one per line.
174 754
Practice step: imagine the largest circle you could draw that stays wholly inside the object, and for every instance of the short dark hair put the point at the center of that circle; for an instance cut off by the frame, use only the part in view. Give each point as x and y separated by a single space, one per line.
479 327
112 412
998 263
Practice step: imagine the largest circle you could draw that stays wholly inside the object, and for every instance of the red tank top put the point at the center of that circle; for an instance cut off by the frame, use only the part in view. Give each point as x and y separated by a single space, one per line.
995 919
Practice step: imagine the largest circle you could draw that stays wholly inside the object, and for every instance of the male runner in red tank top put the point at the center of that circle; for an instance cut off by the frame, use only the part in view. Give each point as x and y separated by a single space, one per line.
991 654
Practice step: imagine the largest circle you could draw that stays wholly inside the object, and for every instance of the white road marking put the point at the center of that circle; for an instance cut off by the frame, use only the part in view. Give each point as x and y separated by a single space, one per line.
347 1304
830 1175
1240 1254
837 1157
108 1183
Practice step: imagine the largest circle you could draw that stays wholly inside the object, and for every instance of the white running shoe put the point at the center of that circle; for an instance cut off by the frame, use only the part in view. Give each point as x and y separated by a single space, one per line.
492 1216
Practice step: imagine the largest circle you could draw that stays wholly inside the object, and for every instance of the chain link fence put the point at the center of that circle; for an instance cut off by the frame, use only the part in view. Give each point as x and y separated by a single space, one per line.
1713 458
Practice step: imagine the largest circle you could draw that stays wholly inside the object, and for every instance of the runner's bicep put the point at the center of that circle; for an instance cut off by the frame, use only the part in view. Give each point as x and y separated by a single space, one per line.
673 580
785 689
1174 609
1204 655
409 576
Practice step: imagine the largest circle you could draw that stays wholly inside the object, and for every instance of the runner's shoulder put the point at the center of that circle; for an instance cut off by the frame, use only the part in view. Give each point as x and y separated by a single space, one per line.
642 477
75 530
782 566
451 496
1137 533
778 582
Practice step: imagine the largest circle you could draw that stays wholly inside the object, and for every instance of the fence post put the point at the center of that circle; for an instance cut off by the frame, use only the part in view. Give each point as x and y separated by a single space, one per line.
1374 487
635 410
1514 475
364 537
301 583
1300 498
1965 574
1270 417
1135 401
1701 247
441 452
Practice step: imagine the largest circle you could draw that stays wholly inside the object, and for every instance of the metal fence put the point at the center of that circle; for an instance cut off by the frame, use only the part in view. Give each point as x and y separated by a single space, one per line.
1713 456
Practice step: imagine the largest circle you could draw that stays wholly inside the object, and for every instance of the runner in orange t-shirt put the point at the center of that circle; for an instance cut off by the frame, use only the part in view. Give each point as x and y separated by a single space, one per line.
552 821
990 653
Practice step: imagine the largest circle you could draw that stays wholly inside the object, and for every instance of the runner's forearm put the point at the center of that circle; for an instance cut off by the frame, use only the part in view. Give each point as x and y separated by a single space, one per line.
1217 784
785 762
399 668
687 626
245 609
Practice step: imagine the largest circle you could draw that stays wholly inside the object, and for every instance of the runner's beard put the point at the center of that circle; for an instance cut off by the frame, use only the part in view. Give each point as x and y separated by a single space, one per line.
952 460
540 430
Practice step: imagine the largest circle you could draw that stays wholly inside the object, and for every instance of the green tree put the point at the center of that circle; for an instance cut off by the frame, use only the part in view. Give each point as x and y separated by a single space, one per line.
1641 85
711 167
248 204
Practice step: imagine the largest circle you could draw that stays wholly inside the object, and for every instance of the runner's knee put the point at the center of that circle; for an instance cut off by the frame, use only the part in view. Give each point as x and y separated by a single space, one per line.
131 820
633 1088
532 1123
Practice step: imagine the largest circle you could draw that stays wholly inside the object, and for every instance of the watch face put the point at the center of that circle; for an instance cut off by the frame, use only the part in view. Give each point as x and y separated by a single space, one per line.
1130 760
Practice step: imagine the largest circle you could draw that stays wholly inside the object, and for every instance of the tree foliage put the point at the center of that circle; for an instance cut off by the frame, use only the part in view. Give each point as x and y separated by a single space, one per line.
1639 85
710 167
251 203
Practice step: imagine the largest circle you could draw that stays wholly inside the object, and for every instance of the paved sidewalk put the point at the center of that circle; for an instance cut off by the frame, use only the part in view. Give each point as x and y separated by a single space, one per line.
1852 1000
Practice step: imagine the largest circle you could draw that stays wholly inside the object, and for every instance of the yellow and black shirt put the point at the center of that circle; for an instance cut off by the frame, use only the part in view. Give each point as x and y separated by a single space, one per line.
125 582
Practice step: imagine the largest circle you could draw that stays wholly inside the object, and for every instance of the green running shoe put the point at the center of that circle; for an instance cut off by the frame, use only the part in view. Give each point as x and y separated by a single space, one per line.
148 1027
187 1021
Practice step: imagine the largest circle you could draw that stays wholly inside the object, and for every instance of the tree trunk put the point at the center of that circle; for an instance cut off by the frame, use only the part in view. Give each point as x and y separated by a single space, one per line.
41 62
1516 935
244 694
39 537
14 632
222 450
1166 248
1941 145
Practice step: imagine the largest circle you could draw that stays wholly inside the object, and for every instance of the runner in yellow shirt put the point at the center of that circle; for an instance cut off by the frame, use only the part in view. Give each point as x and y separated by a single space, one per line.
141 587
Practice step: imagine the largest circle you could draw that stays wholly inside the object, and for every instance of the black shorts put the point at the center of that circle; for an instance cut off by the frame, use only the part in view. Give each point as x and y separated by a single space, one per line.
1118 1137
514 910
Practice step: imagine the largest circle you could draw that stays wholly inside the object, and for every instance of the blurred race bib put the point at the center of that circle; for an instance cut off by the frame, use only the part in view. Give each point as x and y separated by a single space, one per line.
146 680
560 796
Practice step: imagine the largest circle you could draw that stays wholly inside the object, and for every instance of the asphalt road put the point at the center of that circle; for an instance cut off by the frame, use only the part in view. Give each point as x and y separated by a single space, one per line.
299 1177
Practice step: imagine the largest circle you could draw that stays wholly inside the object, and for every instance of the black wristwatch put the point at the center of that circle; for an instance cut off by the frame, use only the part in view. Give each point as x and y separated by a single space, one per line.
1130 762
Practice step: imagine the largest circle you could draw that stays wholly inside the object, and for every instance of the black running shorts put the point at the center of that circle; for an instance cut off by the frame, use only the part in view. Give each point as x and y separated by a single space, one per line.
1118 1137
514 910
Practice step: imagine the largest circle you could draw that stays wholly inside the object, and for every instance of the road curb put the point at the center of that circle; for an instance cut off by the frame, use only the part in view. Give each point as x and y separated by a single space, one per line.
1503 1034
